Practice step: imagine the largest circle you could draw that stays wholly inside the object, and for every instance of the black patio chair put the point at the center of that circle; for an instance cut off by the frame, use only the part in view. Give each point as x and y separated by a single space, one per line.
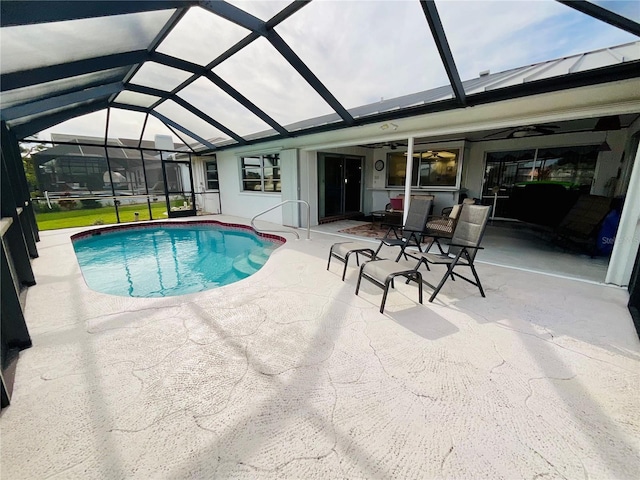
462 247
341 251
411 232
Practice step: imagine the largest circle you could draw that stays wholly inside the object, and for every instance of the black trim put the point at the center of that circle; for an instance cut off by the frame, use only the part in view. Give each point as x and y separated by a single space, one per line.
34 76
439 36
604 15
295 61
186 105
50 103
35 126
13 13
177 126
235 15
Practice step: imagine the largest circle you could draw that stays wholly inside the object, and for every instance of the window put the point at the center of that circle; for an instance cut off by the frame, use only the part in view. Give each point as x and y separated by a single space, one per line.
431 168
211 170
573 167
261 173
512 179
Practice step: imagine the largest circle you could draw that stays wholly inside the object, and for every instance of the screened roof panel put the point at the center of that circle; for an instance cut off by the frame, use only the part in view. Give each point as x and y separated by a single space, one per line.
626 8
497 36
213 101
262 75
155 127
52 111
31 46
201 36
134 98
372 58
90 125
152 74
374 50
262 10
43 90
188 120
125 123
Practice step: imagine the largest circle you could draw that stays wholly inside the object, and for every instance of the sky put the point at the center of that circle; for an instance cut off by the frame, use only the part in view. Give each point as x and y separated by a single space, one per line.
362 51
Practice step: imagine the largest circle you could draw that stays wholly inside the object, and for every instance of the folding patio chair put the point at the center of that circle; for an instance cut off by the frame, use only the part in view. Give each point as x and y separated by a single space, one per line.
462 248
440 227
343 250
411 232
382 273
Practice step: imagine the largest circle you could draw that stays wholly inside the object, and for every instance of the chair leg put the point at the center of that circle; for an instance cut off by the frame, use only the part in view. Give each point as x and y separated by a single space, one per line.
444 279
419 280
386 292
447 275
473 270
330 255
359 278
346 261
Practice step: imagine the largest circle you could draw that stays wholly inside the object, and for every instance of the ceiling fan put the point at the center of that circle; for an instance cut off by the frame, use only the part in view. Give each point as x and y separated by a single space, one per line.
525 131
438 154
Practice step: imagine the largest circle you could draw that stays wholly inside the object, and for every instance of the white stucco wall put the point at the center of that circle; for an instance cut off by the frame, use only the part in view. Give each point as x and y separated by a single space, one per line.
232 200
628 235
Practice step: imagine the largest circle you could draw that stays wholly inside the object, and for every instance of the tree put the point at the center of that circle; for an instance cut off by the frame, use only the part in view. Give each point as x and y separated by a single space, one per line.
26 150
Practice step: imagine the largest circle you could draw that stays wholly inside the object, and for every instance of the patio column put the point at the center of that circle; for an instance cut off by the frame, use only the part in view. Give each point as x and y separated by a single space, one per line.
628 235
407 180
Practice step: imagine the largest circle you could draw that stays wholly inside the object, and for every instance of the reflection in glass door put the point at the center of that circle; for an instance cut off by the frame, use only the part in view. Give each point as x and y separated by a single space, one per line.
179 188
340 185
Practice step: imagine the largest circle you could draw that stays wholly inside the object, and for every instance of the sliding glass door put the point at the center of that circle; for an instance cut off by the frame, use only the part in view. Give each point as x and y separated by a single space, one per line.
340 185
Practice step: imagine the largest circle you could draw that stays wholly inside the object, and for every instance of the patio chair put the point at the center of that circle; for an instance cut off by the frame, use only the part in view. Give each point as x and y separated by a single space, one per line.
411 232
580 225
343 250
442 226
382 273
462 248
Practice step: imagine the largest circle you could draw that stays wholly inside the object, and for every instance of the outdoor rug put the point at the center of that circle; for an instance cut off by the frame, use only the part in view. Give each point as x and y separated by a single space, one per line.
367 230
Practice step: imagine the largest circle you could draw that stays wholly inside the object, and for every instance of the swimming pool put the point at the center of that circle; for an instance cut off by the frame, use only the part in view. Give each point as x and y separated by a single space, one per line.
163 259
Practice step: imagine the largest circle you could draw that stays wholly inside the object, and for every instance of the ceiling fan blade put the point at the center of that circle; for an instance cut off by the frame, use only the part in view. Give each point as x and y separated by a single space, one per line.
498 133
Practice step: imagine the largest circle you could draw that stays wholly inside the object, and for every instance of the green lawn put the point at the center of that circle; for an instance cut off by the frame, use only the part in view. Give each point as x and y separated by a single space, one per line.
98 216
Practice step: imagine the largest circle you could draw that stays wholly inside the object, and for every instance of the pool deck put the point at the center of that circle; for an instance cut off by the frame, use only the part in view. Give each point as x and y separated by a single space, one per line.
289 374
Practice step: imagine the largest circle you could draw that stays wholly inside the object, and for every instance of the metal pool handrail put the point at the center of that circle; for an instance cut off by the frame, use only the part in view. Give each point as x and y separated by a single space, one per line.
285 231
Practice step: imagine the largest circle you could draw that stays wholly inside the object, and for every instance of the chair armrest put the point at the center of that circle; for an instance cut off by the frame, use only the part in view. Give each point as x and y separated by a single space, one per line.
465 246
440 225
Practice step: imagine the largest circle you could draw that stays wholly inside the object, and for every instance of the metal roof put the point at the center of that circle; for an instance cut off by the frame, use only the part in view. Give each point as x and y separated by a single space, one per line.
169 61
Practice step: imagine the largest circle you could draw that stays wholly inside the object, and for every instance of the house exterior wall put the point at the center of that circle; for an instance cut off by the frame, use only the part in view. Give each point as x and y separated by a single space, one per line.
628 235
300 164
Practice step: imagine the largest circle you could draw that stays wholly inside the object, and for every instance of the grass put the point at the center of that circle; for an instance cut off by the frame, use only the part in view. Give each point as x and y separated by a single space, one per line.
98 216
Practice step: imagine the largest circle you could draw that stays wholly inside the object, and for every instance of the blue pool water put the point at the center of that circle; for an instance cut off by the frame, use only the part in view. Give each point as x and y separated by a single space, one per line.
169 260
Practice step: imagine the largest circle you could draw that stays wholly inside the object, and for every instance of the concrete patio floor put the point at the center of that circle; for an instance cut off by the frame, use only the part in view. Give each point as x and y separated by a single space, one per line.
288 374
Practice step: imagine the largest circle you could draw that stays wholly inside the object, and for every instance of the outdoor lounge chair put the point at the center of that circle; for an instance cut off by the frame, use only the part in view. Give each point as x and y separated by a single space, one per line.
461 253
442 227
342 251
580 225
411 232
463 246
382 274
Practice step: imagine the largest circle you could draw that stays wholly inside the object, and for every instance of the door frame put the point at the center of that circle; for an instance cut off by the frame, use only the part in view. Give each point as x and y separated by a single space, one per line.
321 189
182 212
